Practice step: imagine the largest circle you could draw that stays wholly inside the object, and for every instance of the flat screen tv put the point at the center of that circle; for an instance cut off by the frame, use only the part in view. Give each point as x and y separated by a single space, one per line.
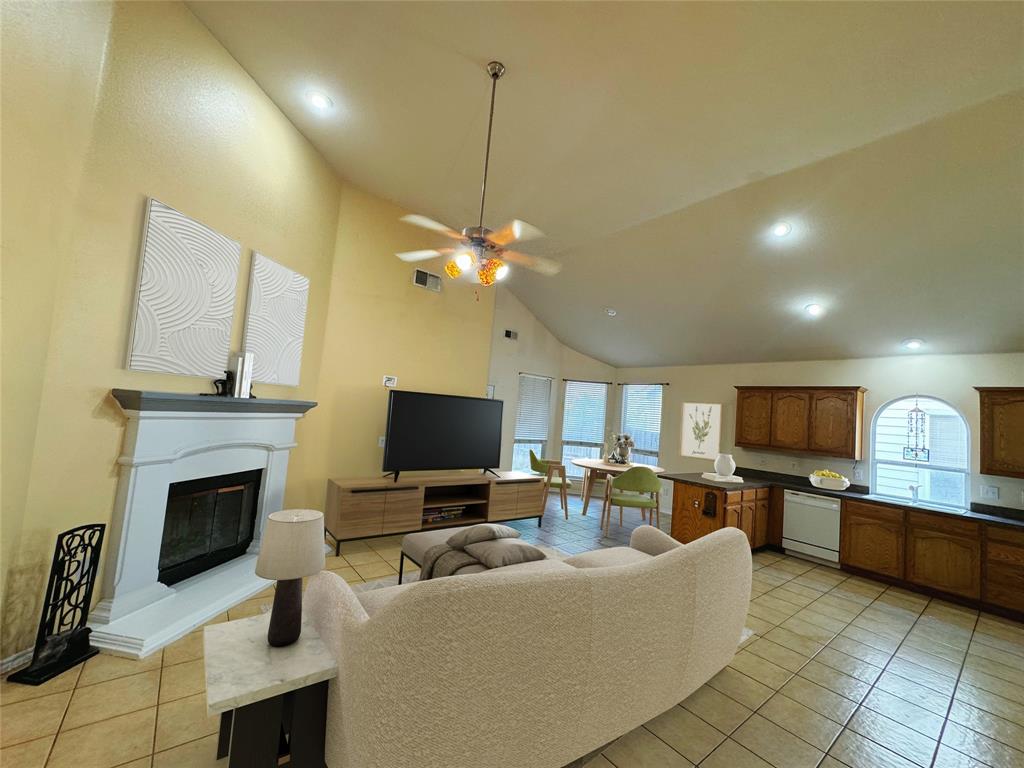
428 431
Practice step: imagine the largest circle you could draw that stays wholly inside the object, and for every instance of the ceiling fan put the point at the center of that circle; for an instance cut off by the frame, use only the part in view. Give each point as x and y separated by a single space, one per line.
480 252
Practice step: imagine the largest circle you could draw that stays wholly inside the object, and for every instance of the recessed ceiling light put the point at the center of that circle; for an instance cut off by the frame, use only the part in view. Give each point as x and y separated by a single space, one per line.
319 100
913 343
610 312
781 228
814 310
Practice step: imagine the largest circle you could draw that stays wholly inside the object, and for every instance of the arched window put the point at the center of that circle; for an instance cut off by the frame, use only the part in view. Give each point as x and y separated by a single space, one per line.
921 441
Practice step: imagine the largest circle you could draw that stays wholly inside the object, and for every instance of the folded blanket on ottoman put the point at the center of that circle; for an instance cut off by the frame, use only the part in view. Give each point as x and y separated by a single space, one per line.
487 544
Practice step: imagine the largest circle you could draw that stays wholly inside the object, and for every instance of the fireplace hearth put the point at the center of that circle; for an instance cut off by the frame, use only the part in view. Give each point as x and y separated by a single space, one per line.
207 522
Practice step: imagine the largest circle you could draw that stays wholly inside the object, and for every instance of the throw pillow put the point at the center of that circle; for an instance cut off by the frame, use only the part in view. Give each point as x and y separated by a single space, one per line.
481 532
501 552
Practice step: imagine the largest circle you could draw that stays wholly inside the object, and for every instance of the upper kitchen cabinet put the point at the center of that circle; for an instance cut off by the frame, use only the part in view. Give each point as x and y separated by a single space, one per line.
836 416
753 417
827 421
791 419
1002 431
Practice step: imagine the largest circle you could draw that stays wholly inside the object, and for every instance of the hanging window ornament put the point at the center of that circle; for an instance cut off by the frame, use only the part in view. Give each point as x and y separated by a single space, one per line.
915 449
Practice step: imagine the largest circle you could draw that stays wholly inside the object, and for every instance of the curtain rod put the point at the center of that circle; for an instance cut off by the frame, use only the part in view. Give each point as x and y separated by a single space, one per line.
643 384
536 375
588 381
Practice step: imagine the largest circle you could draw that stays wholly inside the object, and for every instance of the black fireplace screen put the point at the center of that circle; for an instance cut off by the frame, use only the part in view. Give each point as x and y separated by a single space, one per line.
208 522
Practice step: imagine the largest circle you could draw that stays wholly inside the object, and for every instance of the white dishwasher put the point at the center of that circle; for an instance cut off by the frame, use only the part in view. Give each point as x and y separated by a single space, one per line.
810 525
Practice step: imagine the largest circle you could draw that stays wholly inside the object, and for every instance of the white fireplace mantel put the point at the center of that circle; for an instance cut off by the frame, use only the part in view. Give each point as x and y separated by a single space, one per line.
171 438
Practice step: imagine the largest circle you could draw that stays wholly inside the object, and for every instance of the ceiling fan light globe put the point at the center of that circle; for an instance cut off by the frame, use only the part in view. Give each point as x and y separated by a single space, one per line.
463 260
501 272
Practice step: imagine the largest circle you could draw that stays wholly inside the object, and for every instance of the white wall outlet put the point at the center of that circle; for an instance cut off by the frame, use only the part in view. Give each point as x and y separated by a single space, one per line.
990 492
390 381
380 441
858 475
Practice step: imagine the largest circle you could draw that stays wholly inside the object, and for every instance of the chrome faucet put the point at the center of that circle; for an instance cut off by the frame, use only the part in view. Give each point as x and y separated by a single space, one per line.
913 491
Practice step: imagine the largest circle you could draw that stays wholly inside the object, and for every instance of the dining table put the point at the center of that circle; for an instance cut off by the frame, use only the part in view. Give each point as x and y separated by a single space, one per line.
599 469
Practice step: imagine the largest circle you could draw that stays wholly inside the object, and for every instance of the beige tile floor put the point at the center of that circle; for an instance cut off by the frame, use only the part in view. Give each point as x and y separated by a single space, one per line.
841 672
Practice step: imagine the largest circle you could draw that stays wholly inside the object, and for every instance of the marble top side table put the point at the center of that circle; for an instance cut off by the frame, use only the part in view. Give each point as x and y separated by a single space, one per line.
272 701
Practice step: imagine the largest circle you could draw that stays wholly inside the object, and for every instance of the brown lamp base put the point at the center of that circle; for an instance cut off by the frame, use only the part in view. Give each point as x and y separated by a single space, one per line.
286 615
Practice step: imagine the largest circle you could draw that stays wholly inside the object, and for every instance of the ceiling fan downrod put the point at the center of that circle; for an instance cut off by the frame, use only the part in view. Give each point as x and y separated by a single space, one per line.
495 69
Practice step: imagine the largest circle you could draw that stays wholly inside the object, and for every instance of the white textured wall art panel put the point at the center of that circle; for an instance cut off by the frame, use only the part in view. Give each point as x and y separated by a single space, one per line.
186 296
275 321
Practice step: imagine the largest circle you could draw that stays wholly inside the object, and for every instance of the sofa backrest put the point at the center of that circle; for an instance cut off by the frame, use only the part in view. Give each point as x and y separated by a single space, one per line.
520 668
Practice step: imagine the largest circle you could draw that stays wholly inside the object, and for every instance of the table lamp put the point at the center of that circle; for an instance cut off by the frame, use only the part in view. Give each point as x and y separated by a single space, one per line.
292 547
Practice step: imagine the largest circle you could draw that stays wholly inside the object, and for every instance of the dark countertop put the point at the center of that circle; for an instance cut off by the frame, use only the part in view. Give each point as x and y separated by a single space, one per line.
759 478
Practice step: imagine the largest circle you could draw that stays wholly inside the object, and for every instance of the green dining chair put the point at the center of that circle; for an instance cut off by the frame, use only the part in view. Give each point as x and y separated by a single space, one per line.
554 477
637 487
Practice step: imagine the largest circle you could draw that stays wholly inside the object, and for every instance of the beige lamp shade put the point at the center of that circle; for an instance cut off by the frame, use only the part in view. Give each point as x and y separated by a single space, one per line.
293 545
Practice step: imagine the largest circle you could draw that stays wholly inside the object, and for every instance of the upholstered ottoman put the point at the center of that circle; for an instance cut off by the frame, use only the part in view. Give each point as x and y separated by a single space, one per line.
415 546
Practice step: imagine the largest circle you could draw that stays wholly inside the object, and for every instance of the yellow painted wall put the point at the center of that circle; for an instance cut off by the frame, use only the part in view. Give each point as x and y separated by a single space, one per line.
104 106
379 323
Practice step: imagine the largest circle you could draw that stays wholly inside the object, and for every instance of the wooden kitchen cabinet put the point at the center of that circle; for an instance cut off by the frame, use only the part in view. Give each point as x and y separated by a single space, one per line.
760 526
1002 431
791 419
1003 569
872 538
834 415
754 418
739 512
827 421
944 553
696 511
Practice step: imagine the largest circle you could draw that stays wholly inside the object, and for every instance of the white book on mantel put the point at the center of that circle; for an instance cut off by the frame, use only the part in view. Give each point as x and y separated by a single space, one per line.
243 374
721 478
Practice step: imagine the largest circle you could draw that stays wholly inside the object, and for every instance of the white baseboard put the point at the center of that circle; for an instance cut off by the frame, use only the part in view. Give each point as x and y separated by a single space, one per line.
12 662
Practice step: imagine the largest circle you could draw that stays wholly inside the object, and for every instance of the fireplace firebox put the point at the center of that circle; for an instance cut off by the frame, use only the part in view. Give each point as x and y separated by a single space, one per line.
208 522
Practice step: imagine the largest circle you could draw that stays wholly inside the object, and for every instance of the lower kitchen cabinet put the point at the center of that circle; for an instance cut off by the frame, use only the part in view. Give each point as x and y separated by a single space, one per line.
760 535
944 553
872 538
1003 569
696 512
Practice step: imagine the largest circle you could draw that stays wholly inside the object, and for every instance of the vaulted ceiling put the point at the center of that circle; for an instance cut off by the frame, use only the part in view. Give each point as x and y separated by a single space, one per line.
656 144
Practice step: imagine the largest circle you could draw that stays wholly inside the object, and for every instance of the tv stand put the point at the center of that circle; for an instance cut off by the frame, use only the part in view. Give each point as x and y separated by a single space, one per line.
364 508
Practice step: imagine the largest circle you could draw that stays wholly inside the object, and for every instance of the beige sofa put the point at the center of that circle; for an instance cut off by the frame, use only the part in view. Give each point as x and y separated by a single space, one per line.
529 666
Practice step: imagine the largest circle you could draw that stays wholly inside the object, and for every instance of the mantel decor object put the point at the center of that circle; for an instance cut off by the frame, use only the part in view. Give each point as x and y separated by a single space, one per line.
292 548
63 639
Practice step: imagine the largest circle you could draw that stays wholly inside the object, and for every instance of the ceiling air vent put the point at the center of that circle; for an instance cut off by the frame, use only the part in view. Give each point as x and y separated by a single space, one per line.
427 280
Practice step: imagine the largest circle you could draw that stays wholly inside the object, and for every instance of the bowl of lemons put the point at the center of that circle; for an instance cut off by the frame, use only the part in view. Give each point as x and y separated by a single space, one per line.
829 480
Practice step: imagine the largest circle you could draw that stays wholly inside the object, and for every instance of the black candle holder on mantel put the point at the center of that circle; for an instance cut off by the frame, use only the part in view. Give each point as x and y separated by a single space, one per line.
63 639
226 387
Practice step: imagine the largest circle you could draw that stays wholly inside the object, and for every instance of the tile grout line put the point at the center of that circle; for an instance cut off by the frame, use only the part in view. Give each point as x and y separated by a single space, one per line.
952 698
945 719
794 674
843 726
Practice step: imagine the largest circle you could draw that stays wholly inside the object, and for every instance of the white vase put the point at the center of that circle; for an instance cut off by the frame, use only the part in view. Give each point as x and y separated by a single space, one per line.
724 464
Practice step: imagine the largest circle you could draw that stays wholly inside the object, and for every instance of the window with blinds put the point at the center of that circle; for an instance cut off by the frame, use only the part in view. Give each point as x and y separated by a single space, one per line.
583 420
641 418
533 420
933 455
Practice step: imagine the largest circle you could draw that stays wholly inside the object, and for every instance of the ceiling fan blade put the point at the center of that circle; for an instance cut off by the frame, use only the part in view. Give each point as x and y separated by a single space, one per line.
537 263
435 226
515 230
428 253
